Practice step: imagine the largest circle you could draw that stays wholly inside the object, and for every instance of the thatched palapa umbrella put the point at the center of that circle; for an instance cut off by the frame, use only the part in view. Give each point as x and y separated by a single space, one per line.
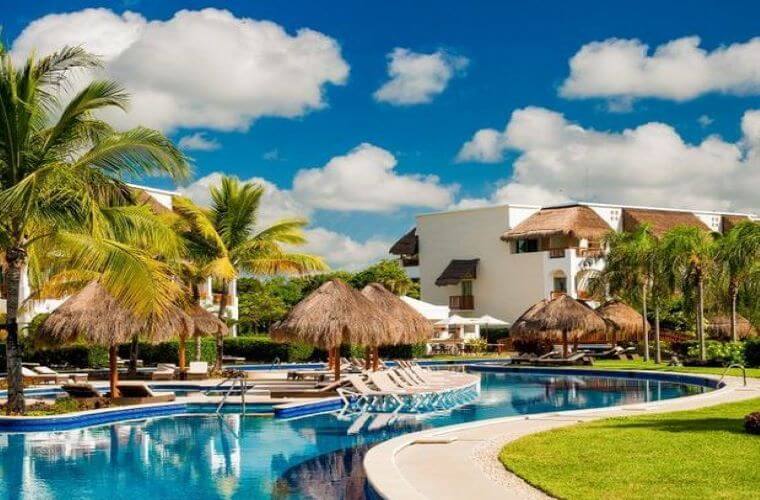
415 327
719 327
525 325
332 315
97 317
562 317
205 323
623 321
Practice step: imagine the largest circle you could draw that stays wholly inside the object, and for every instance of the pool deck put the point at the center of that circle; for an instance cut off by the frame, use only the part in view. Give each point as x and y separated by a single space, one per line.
462 461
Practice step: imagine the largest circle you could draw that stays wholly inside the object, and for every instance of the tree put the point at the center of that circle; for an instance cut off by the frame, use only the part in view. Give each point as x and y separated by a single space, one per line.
388 273
738 257
261 251
687 253
59 165
259 309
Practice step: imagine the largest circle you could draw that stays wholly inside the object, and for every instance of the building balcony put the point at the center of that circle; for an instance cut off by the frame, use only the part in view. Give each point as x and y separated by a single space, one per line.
556 253
462 302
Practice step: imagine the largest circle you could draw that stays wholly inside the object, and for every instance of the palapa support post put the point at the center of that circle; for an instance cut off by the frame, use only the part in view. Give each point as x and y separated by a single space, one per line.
182 354
367 357
113 376
564 344
375 359
336 360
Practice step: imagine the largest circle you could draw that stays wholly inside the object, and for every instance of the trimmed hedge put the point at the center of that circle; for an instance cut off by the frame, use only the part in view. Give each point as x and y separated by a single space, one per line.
752 352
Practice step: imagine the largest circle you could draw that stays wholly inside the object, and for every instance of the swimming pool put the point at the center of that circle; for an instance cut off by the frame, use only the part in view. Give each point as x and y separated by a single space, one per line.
205 456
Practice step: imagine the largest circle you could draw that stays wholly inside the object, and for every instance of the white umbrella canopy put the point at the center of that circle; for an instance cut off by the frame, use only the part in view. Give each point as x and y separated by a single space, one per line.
487 320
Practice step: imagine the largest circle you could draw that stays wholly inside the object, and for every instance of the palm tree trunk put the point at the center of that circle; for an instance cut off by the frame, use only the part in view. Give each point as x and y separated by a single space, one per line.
701 318
222 313
645 323
15 259
734 291
197 301
113 368
134 349
657 350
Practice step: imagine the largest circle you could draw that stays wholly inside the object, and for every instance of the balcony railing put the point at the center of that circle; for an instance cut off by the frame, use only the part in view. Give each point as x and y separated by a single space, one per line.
462 302
556 253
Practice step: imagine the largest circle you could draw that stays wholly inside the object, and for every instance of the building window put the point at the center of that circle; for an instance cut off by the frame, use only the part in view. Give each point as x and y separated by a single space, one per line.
526 246
466 288
560 284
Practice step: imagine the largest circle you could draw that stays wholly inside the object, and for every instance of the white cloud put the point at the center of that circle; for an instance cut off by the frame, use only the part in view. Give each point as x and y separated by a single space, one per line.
342 251
417 78
364 180
198 142
650 164
705 120
271 155
203 68
678 70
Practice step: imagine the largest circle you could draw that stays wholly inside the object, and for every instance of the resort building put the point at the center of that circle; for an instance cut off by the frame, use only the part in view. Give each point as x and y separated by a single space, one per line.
159 200
499 260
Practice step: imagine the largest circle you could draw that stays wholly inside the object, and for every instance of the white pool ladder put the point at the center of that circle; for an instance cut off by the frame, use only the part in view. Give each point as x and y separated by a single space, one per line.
238 379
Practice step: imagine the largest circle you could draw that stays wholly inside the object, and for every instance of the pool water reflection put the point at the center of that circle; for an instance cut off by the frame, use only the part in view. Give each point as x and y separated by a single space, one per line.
205 456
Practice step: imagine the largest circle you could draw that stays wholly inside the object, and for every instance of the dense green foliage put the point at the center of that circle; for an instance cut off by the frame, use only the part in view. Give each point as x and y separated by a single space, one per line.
723 353
695 454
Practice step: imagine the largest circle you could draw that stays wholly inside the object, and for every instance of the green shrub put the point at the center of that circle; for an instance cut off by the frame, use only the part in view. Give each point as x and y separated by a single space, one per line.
79 356
752 352
752 423
407 351
477 345
168 352
720 352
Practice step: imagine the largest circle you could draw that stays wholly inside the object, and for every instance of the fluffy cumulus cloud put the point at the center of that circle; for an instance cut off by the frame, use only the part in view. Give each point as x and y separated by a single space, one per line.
198 141
178 78
342 251
365 179
622 70
417 78
650 164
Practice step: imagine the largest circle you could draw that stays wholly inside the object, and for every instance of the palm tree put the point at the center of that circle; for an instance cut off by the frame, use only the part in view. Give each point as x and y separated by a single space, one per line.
738 255
630 268
250 248
688 253
58 165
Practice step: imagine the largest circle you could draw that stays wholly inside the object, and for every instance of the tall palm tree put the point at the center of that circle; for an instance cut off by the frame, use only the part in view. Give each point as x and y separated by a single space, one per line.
630 268
738 257
249 247
58 164
688 252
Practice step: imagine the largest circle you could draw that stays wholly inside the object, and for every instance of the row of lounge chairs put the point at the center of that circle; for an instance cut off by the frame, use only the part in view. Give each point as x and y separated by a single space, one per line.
408 385
44 375
353 365
197 370
554 358
130 393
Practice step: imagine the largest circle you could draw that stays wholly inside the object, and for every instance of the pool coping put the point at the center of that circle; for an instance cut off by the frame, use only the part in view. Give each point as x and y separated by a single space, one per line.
483 476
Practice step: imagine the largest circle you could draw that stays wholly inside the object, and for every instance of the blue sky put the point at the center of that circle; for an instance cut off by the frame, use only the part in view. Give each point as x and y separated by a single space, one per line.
624 125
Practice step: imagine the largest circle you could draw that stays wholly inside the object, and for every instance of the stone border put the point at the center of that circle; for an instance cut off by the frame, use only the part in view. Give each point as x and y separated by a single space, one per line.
462 460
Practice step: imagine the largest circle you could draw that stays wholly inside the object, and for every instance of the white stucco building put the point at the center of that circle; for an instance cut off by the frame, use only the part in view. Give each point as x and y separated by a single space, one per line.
158 199
499 260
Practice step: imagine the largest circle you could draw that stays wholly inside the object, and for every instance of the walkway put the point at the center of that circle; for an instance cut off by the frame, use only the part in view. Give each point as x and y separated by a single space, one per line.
462 461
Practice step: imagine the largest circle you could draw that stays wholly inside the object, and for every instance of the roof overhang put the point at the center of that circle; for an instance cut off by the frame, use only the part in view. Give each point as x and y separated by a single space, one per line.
458 270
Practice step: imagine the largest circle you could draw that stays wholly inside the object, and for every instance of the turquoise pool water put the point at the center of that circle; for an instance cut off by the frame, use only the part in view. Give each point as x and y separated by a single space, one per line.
200 456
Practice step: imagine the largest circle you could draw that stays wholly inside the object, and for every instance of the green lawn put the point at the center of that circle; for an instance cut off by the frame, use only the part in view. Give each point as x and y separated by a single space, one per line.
613 364
693 454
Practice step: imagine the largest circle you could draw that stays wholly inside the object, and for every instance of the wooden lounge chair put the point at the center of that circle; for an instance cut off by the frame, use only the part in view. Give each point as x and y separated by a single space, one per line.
164 371
31 377
75 377
198 370
139 394
577 358
82 392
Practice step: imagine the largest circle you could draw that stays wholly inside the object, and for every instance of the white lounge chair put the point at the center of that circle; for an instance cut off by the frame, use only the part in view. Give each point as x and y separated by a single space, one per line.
358 392
198 370
164 371
33 378
77 378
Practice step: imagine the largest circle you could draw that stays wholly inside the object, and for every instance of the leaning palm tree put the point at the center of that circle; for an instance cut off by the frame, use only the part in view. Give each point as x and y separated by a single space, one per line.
737 256
630 269
688 253
58 164
249 247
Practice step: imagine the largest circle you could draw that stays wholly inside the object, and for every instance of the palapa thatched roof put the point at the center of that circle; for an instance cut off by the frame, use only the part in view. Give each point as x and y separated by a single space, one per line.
730 221
142 197
720 327
660 221
458 270
524 326
562 314
336 314
415 327
95 316
624 320
205 322
407 245
577 221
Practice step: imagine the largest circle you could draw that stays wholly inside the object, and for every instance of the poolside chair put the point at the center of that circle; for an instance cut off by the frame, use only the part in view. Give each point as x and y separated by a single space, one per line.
164 371
577 358
139 394
198 370
31 377
359 393
82 392
76 377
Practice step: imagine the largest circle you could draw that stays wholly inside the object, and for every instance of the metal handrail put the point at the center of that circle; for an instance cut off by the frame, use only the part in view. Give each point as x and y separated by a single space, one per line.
275 362
236 378
734 365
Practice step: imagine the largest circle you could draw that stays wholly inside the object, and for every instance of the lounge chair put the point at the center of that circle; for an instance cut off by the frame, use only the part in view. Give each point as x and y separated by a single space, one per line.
139 394
31 377
359 392
82 392
163 371
75 377
576 358
198 370
235 360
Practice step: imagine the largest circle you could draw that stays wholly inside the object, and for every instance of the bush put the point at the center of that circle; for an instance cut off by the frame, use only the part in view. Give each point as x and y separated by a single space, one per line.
477 345
79 356
752 352
407 351
752 423
719 352
168 352
533 345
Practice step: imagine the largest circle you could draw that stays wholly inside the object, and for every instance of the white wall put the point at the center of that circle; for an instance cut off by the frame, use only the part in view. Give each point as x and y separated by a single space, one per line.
611 215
